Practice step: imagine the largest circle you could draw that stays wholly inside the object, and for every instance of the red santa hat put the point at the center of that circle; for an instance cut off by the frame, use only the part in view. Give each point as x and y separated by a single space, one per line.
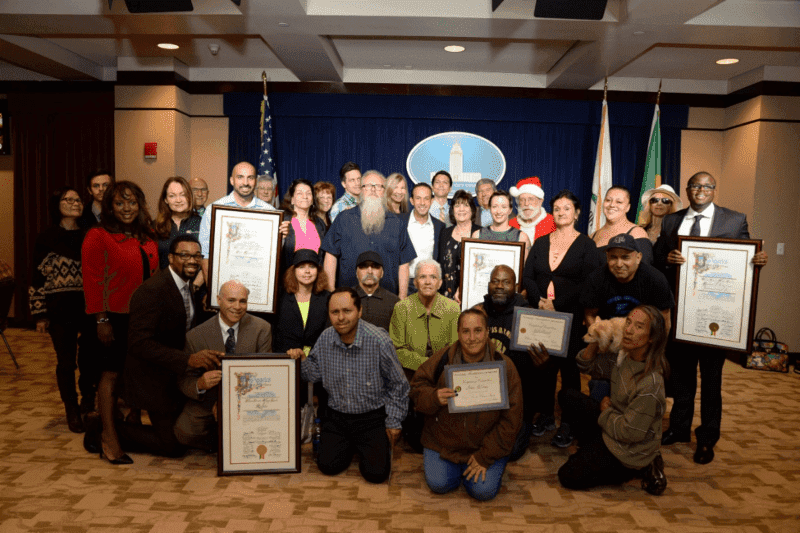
532 185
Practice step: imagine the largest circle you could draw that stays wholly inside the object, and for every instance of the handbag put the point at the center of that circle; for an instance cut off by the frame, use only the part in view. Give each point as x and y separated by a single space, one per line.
768 353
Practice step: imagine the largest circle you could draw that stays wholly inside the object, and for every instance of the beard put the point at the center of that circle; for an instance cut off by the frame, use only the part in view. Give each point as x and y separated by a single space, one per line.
373 215
528 215
501 299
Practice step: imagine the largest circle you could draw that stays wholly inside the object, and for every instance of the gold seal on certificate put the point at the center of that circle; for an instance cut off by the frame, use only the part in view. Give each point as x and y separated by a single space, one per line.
478 386
534 326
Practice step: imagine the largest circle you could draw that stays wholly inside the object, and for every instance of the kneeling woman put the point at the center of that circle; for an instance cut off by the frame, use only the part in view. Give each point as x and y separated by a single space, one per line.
472 448
621 436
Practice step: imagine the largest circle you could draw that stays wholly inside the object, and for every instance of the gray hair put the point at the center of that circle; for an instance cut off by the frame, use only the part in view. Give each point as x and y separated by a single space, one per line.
485 181
426 262
368 172
231 283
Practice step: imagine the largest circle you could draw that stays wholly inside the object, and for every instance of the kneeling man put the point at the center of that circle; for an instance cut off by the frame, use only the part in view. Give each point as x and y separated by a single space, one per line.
472 448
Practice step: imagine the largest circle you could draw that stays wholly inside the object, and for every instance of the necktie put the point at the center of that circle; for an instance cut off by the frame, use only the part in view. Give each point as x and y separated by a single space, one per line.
187 305
230 344
695 231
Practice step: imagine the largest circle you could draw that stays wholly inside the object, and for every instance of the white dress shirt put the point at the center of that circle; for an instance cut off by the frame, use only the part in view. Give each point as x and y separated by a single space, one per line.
422 238
225 327
705 222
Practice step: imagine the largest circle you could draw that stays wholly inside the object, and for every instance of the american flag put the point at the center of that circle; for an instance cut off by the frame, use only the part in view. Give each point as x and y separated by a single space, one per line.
266 165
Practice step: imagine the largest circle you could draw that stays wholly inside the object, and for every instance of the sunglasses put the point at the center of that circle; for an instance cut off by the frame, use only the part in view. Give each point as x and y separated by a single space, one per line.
665 201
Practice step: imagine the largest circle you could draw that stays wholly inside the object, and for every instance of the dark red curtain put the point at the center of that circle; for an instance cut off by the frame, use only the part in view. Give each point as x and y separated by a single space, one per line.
57 139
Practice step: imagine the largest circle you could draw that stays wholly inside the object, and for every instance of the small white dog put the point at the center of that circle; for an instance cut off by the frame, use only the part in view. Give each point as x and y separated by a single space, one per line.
606 333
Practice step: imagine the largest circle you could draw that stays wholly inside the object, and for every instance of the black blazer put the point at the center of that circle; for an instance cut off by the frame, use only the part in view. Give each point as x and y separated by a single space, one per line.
726 223
290 332
156 339
438 226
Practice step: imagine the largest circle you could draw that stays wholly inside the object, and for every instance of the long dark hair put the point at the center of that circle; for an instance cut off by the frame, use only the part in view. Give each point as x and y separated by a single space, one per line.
655 358
163 223
54 204
286 204
141 227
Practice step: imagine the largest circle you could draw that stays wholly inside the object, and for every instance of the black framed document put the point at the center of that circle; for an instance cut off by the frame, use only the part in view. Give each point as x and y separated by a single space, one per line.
245 246
716 295
259 422
534 326
478 258
478 386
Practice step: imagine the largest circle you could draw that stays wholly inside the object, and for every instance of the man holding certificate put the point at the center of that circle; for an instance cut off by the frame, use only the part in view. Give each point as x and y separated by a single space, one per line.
470 446
702 219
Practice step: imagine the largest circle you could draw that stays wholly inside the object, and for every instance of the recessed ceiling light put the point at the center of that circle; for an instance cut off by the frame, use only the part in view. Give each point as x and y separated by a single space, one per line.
283 24
386 66
168 46
638 32
454 48
408 66
729 61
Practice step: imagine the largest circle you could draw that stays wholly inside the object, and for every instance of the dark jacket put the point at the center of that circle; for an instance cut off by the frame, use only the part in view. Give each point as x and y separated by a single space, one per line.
289 329
287 248
488 435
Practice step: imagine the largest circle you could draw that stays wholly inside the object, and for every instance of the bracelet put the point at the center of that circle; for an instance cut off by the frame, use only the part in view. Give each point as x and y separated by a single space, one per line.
103 320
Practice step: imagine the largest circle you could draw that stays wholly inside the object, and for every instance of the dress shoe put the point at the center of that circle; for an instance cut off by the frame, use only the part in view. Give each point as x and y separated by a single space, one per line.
91 439
654 480
74 421
124 459
671 437
704 454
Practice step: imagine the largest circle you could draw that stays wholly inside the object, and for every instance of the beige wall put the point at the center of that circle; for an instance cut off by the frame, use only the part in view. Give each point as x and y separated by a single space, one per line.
7 210
757 167
188 146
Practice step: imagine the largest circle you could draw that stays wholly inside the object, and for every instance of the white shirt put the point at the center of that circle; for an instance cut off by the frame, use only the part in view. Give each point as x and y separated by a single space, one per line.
225 327
705 222
181 284
421 236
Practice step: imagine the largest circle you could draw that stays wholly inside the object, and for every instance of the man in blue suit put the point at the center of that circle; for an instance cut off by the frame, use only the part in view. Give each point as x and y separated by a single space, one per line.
423 229
702 219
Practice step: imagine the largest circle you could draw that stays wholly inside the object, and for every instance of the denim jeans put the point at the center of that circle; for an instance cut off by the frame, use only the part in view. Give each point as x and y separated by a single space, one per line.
443 476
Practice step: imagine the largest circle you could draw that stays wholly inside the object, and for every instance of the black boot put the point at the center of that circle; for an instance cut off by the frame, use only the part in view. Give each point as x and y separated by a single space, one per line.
74 421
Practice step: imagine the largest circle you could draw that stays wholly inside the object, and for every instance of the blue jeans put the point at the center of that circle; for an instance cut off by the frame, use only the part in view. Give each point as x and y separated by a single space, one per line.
443 476
599 389
522 442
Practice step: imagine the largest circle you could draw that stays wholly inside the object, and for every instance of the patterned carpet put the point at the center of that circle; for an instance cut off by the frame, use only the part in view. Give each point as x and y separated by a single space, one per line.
49 483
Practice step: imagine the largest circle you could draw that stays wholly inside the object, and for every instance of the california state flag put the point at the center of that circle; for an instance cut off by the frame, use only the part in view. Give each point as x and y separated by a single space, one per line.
602 175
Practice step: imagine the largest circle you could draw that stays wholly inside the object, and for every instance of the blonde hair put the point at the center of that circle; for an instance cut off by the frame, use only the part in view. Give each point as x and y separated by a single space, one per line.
392 182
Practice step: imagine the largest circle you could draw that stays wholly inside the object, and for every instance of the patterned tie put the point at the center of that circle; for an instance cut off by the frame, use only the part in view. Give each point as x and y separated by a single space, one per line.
187 305
230 344
695 231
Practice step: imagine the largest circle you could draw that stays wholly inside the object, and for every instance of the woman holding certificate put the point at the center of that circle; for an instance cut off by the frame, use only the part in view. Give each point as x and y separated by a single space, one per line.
306 229
557 266
620 437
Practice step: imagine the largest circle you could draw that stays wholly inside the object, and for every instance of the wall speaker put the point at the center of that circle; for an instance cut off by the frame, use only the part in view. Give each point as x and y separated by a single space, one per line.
158 6
570 9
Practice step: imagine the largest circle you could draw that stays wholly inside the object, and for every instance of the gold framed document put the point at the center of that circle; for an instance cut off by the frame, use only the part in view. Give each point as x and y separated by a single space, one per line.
534 326
478 386
478 259
258 415
245 246
716 292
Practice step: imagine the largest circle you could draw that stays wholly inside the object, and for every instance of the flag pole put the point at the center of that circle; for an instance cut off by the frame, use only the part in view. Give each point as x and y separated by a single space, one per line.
605 89
264 79
658 96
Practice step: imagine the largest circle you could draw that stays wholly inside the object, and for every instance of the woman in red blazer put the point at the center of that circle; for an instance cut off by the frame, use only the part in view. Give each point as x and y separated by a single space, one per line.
117 257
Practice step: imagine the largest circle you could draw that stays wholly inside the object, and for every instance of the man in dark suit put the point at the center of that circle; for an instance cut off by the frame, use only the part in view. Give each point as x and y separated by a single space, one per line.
161 311
232 331
423 229
702 219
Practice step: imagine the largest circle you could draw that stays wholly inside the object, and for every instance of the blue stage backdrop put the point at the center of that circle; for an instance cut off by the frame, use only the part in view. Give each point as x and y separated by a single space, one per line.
314 134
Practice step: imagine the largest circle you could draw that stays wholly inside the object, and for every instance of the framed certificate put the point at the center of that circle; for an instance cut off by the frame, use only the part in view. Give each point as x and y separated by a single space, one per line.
478 386
534 326
245 246
259 421
716 292
478 258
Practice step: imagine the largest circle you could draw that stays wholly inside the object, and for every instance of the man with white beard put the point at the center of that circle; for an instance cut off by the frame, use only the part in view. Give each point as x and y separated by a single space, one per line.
531 218
369 228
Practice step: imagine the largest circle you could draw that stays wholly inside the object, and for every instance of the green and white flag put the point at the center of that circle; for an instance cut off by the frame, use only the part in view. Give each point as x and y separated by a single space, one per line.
652 169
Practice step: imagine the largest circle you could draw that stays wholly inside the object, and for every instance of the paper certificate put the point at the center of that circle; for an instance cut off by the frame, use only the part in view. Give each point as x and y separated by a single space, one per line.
534 326
716 292
478 386
258 415
245 247
478 259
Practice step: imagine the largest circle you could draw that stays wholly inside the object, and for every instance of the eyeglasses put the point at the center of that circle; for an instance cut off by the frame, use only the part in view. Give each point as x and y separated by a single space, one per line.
665 201
71 200
199 190
372 186
696 187
185 257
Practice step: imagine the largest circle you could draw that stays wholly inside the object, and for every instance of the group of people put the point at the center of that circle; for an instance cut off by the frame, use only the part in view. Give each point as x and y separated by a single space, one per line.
370 304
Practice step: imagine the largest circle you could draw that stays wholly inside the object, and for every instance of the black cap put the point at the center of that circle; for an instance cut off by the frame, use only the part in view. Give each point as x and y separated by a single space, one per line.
369 256
305 256
624 241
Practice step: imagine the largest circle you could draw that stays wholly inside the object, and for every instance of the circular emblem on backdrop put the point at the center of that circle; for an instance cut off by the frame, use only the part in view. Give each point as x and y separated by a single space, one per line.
467 157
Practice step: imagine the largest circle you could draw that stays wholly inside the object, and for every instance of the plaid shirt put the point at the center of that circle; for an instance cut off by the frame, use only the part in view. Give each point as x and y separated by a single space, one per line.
344 203
361 377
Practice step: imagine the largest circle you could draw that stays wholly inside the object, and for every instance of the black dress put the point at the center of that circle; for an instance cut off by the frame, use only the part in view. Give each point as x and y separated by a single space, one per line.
579 261
450 259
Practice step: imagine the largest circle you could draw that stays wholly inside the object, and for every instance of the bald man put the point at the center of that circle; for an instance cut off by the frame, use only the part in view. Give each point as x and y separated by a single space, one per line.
200 194
232 331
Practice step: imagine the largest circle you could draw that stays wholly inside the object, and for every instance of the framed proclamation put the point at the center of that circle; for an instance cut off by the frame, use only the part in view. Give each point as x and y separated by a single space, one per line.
245 246
258 415
716 292
478 258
